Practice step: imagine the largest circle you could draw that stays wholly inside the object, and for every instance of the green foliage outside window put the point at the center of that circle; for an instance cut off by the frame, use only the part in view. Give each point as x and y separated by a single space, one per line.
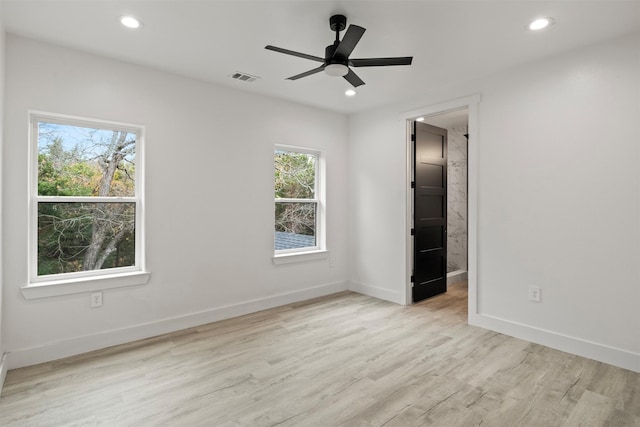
295 176
83 162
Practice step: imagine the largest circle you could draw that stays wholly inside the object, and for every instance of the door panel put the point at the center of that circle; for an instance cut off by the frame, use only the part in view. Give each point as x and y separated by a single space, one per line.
433 174
431 148
429 207
432 265
431 237
430 211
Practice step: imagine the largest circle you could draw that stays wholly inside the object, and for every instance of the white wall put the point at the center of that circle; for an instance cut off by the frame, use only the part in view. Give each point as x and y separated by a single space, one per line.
209 205
3 365
558 200
377 199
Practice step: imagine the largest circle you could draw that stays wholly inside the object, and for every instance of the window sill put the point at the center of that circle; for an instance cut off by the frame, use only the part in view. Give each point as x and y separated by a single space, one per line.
55 288
300 257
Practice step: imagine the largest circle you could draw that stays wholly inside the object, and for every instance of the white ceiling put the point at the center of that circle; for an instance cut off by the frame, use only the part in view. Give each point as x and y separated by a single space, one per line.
450 119
209 40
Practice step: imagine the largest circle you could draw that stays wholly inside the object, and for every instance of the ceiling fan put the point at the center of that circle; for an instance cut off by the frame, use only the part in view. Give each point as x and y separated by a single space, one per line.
336 61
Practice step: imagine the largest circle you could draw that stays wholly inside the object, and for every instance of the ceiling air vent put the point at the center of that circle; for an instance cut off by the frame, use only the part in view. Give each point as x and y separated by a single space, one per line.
244 77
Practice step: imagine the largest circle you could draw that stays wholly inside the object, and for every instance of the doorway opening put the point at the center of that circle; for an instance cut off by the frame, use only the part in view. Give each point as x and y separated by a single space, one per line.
457 125
459 119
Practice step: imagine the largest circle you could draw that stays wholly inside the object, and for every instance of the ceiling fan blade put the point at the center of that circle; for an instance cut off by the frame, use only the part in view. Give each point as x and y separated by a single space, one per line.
291 52
353 78
380 62
349 41
306 73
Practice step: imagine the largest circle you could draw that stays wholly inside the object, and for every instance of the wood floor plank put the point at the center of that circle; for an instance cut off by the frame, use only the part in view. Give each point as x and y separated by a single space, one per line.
342 360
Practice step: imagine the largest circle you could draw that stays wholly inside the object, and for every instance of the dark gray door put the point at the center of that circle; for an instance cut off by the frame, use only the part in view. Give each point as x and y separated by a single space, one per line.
429 211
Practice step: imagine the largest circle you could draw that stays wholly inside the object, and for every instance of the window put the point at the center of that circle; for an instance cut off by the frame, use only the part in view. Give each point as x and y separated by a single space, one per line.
299 209
86 199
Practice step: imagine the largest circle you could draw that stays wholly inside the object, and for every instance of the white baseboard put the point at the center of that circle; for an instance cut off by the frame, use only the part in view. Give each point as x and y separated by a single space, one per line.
602 353
3 370
374 291
456 277
70 347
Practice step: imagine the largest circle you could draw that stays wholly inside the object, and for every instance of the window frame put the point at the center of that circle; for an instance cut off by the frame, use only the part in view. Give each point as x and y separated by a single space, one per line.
83 281
308 252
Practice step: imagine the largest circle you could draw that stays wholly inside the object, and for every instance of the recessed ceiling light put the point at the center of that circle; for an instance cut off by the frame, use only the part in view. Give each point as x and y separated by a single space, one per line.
540 23
420 119
350 92
130 22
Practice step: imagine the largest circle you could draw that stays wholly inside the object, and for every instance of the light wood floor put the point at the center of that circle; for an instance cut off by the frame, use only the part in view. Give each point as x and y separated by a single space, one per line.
345 359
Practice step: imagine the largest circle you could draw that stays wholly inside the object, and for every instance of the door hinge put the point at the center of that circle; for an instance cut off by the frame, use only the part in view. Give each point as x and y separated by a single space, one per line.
413 137
413 184
413 231
412 279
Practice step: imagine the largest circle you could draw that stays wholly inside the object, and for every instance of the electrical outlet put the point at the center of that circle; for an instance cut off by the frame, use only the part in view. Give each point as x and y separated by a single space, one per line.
96 299
332 262
534 293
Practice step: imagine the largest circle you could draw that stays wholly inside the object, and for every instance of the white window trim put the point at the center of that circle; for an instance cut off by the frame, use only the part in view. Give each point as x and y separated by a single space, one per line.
55 288
85 281
289 258
319 251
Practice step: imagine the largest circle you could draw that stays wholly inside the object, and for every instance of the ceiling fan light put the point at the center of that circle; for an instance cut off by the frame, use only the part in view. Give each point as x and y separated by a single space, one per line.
336 70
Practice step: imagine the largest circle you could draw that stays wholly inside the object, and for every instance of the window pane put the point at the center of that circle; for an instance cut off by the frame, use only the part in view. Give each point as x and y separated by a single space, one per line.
295 175
295 225
85 236
82 161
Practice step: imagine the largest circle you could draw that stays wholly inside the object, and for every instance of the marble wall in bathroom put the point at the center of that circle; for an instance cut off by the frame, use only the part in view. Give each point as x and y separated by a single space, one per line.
457 199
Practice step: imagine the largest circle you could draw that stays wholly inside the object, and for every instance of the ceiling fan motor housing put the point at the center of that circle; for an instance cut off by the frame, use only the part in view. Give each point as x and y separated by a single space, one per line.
338 22
330 59
336 66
